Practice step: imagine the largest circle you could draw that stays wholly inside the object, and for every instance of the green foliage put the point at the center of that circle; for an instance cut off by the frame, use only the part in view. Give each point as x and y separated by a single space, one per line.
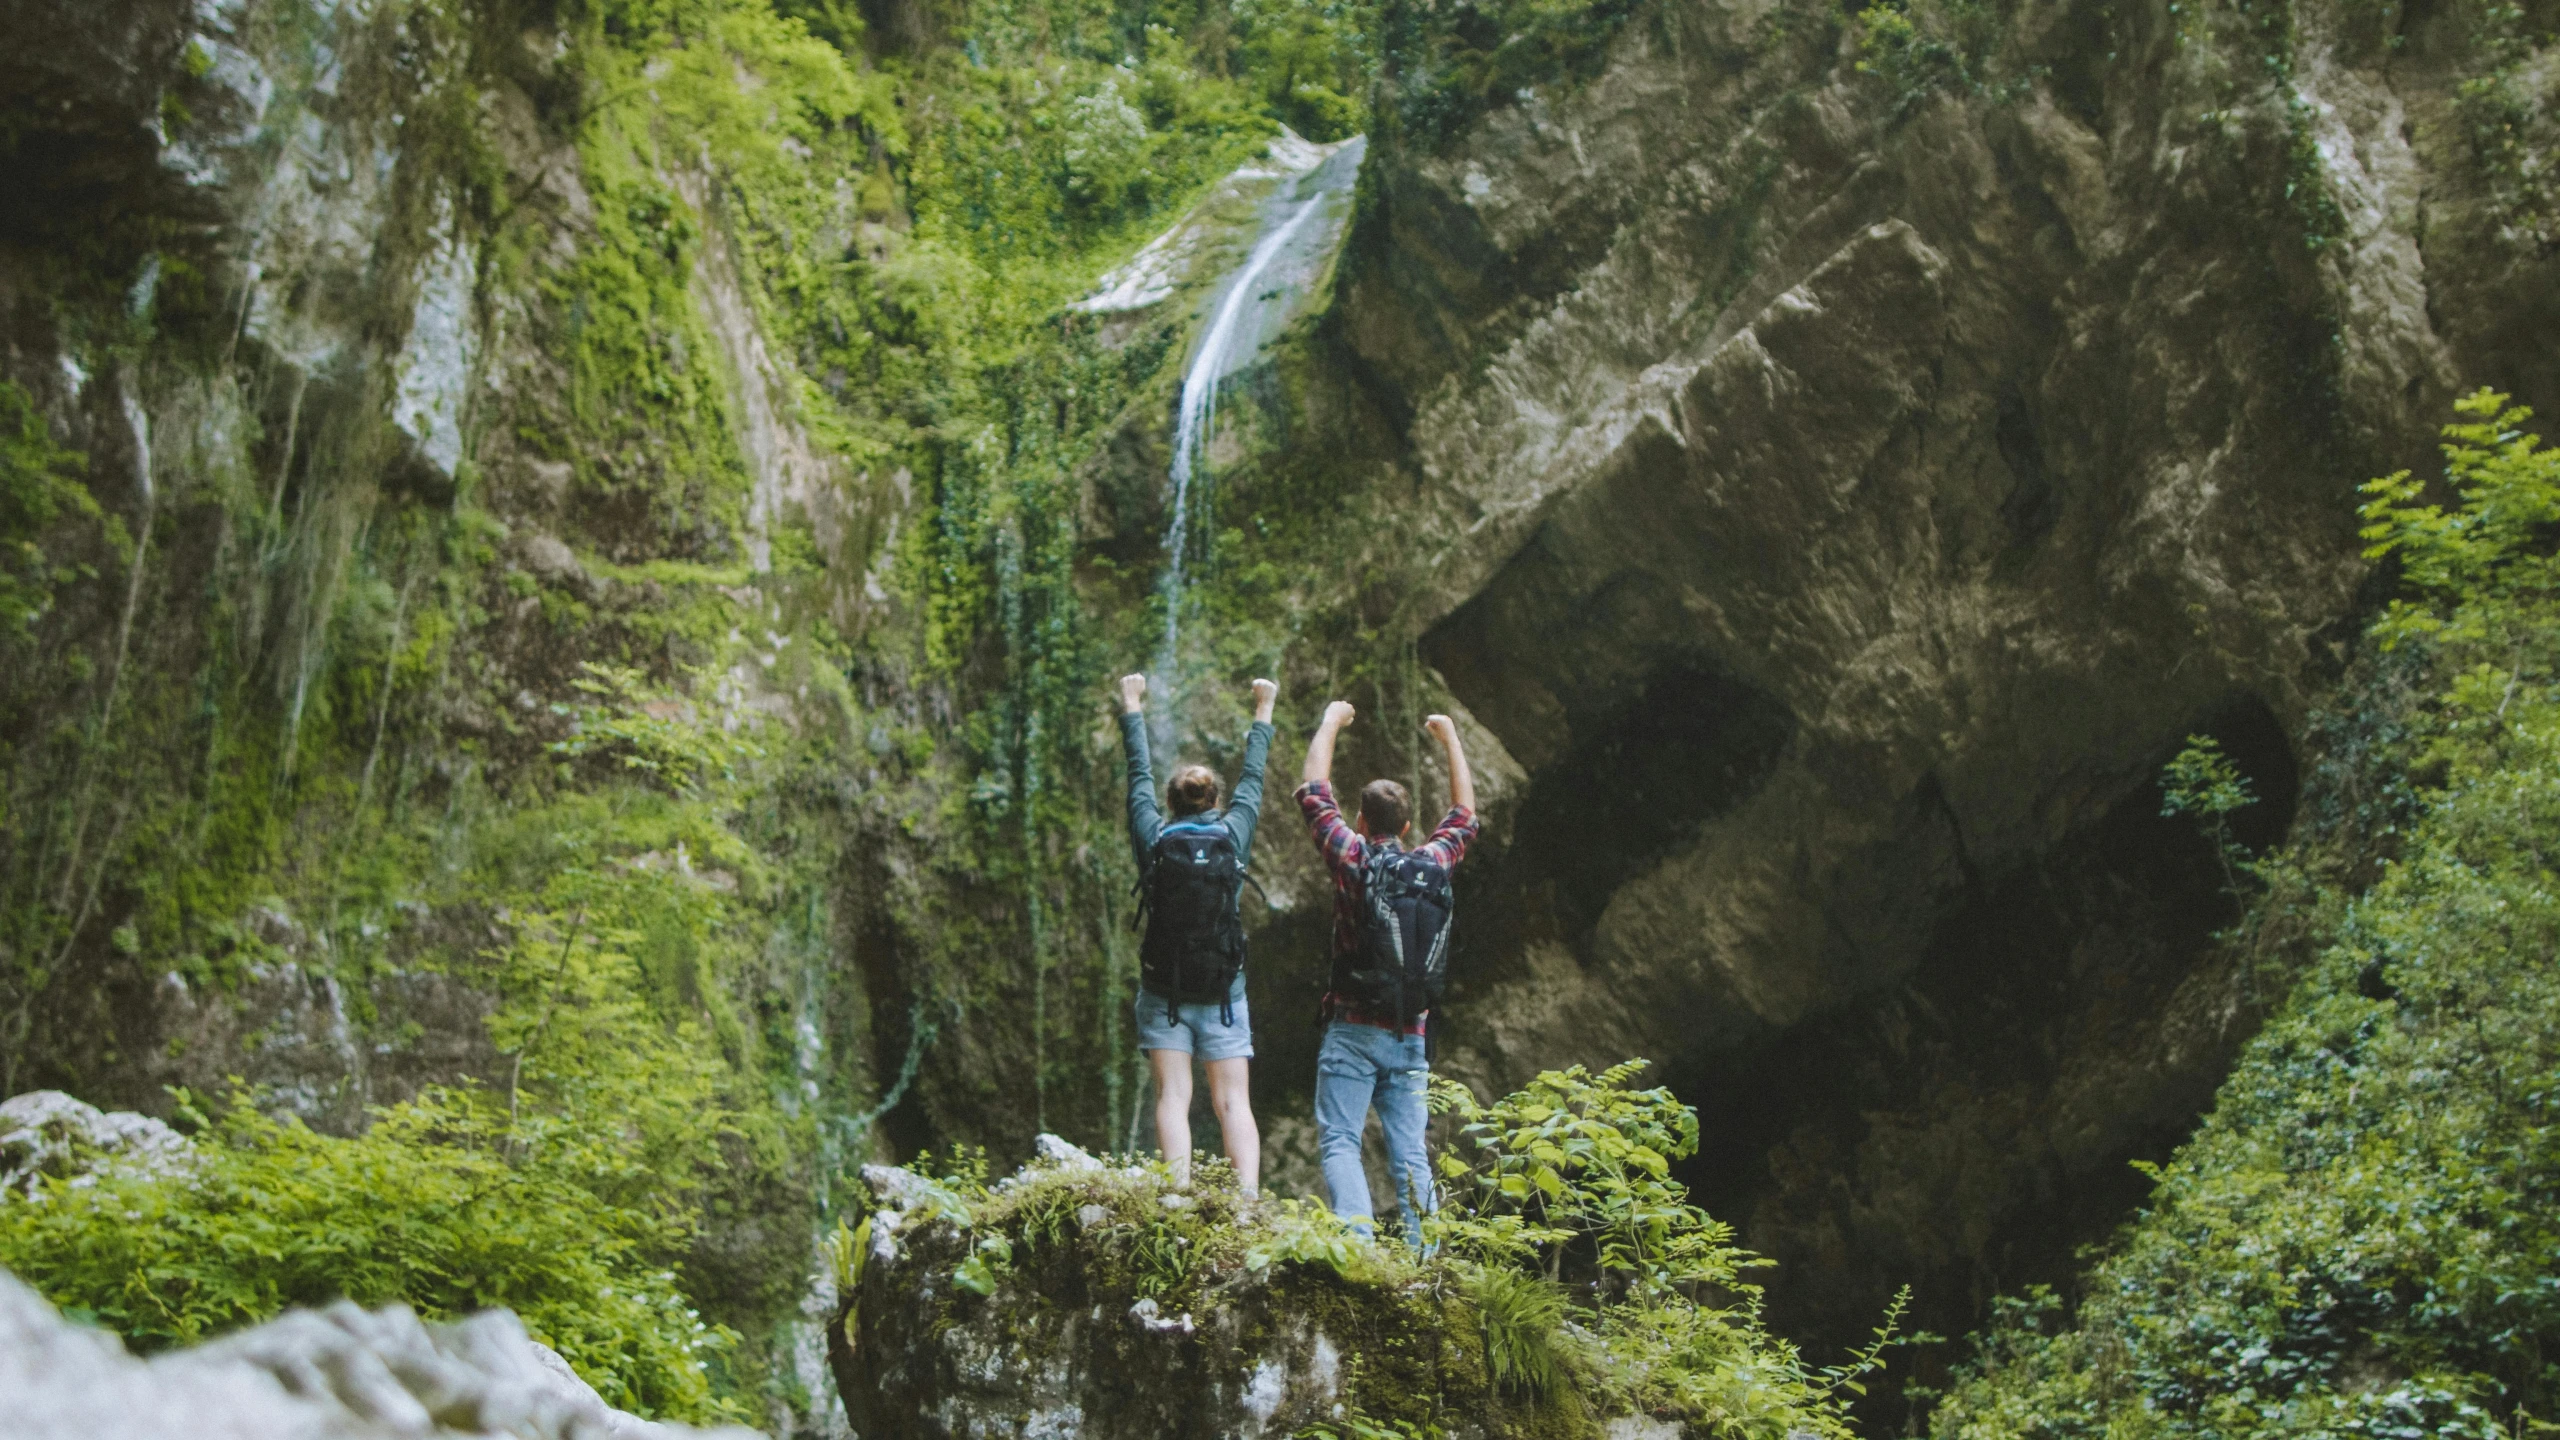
1310 60
653 731
1358 1425
1522 1316
2203 782
442 1204
2487 554
2360 1240
584 1037
990 1260
1449 63
39 486
1577 1166
1162 1259
1304 1232
2306 175
1569 1179
1917 47
846 1248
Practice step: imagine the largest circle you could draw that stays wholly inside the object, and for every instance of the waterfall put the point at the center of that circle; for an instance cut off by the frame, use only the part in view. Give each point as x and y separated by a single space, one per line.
1247 314
1199 411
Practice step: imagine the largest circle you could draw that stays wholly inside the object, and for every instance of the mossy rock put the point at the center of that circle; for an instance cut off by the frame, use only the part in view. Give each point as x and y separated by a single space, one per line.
1080 1332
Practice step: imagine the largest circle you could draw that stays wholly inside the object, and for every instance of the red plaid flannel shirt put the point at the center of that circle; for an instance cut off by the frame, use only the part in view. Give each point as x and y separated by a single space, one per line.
1343 851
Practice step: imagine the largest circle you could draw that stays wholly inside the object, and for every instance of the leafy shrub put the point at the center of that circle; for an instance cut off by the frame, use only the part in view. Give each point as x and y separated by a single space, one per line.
441 1204
1106 147
2203 782
1577 1166
1304 1232
1569 1179
1919 46
1310 60
656 734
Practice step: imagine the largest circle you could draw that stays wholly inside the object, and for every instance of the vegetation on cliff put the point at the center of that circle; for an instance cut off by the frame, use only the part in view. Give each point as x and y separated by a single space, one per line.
2359 1239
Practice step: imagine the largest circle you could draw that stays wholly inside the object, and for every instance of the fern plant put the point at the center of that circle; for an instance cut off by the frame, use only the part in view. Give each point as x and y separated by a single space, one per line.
1522 1316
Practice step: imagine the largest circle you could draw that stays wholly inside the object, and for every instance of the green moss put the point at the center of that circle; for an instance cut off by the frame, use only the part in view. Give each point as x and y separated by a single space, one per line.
39 488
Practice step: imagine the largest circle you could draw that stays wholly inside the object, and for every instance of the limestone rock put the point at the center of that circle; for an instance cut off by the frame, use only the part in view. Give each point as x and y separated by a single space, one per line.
45 1132
1064 1154
337 1374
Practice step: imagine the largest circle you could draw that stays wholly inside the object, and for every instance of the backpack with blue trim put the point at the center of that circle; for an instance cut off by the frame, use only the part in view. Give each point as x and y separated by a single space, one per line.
1191 891
1401 965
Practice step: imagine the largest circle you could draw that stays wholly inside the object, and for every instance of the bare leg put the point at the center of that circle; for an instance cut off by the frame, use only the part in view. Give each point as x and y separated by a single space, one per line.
1173 1110
1231 1095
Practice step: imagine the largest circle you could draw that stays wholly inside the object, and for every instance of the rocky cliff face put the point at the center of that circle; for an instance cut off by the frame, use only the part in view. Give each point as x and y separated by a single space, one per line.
309 299
1835 465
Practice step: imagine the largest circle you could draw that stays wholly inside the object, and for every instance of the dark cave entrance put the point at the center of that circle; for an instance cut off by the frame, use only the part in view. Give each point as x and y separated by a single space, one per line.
1968 1130
1642 779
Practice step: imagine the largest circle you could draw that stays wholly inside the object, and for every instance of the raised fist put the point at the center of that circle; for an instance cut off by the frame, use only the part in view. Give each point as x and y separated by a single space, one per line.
1133 692
1442 728
1338 714
1265 691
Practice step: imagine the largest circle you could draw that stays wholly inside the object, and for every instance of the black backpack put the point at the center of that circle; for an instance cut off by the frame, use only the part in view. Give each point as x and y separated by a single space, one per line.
1195 936
1402 963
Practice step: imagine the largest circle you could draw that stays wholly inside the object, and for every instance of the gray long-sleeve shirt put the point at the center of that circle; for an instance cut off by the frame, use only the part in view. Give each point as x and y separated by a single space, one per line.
1146 818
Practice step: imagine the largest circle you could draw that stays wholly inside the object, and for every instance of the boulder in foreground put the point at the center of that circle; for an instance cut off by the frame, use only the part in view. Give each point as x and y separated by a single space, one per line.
342 1373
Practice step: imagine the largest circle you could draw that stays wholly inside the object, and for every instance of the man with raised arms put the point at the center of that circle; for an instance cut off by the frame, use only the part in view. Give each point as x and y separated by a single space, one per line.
1391 910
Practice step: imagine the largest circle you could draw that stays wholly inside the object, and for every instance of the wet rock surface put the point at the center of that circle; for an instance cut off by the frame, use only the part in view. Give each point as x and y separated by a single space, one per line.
343 1373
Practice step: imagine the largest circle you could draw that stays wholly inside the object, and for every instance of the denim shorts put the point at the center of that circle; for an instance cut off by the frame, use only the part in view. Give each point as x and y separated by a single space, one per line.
1197 1029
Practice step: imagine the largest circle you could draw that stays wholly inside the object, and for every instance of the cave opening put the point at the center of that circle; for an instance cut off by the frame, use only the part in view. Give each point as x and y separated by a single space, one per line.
1640 781
1968 1129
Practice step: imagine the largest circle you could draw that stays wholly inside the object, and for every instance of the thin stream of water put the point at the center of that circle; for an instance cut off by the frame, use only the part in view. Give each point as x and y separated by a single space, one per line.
1196 420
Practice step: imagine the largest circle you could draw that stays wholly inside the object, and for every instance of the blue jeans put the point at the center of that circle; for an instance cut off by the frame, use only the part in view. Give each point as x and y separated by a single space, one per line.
1360 1066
